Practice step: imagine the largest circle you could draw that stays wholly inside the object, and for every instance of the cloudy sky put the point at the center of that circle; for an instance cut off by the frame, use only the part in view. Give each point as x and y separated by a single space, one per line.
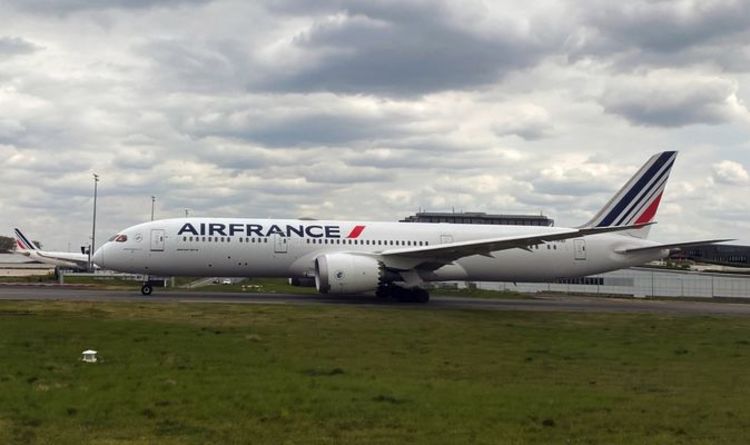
369 110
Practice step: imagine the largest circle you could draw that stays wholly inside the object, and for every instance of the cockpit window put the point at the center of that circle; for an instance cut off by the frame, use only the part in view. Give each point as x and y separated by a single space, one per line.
120 238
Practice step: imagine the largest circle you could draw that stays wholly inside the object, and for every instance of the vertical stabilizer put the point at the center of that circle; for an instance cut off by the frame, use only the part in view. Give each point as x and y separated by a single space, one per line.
638 200
22 242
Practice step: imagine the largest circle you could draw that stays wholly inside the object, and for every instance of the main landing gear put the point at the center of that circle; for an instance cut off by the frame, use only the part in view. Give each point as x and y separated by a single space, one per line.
146 289
413 295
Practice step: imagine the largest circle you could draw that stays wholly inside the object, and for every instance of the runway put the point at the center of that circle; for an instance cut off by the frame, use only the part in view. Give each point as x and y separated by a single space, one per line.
567 303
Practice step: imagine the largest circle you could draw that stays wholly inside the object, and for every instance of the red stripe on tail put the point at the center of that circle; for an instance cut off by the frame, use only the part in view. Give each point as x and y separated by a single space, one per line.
650 212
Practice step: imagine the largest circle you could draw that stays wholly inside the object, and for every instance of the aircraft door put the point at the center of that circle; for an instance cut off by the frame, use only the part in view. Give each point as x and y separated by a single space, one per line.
157 240
580 248
446 238
280 244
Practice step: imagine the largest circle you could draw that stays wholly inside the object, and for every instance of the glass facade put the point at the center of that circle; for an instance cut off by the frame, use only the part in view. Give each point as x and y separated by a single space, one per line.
479 218
722 254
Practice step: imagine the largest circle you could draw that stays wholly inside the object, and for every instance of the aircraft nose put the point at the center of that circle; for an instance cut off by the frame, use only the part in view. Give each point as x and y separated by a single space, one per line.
98 257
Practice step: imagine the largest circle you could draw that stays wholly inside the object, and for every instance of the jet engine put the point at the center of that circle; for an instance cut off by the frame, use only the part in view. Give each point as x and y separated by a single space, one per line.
344 273
302 282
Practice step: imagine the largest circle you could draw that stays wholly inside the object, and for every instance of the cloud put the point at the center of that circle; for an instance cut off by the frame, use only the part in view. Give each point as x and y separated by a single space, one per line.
667 98
404 48
11 46
662 33
528 122
71 6
305 120
571 178
669 26
730 172
189 65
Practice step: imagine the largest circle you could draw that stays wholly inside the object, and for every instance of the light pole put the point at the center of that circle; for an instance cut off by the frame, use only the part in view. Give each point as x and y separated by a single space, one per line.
153 201
93 225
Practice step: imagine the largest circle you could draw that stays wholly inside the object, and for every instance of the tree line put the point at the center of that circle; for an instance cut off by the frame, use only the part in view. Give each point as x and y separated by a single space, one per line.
8 244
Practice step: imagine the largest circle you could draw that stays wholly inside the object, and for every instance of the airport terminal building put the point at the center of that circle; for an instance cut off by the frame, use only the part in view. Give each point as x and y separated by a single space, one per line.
479 218
734 255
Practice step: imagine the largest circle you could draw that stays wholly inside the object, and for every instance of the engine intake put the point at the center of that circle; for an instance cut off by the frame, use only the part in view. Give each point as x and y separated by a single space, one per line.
344 273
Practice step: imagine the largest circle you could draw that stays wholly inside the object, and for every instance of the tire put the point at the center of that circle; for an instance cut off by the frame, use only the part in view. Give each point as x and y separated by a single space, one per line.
146 289
421 295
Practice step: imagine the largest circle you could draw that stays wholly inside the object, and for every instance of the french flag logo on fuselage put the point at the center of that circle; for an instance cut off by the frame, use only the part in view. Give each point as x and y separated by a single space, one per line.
356 231
637 202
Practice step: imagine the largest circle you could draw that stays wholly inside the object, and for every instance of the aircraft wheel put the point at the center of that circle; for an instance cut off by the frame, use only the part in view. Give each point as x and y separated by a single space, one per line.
401 294
383 292
421 295
146 289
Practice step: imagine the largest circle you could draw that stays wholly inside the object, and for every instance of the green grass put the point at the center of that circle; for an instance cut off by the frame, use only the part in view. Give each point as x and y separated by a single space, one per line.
193 373
473 292
259 285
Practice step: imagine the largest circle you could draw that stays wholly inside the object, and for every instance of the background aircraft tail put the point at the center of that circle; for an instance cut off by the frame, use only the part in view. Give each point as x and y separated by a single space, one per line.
23 242
638 200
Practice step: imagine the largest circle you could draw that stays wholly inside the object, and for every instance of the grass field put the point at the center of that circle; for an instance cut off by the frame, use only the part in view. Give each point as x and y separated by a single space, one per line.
193 373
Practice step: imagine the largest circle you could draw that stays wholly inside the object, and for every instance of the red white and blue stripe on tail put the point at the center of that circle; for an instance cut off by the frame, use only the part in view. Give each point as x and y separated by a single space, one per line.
23 242
636 203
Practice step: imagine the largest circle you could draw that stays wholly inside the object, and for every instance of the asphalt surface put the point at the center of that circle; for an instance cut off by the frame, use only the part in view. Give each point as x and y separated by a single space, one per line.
565 303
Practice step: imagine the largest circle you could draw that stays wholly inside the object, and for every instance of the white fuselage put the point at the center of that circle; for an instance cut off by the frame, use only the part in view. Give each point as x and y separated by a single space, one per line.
288 248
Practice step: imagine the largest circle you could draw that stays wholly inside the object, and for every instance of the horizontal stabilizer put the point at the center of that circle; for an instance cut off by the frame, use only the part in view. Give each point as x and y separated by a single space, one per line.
671 246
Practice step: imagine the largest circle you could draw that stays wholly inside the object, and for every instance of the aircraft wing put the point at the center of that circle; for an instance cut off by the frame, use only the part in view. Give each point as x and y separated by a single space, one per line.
78 259
441 254
671 246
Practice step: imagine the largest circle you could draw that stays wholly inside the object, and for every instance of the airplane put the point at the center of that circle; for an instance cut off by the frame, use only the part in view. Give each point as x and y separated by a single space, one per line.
62 259
395 259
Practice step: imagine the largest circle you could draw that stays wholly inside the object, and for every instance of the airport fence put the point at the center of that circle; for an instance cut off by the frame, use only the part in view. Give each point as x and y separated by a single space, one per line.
642 282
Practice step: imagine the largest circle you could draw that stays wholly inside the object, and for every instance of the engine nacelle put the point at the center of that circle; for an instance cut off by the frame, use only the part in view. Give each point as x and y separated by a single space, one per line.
344 273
